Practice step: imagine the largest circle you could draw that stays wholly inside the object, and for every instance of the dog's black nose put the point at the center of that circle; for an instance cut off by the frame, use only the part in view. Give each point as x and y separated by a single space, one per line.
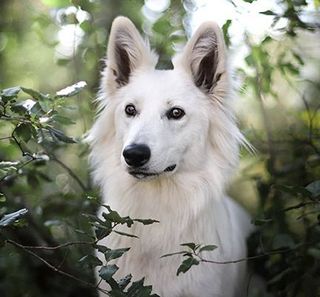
136 155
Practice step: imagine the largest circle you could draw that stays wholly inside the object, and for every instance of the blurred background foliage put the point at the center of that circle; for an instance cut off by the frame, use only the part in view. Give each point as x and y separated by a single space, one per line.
47 45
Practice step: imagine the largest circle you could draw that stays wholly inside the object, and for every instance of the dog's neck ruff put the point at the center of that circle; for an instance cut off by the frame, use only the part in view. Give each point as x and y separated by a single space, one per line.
146 199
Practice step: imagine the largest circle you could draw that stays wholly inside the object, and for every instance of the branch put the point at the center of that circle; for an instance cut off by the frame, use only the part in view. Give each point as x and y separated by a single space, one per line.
71 173
248 258
299 205
63 245
56 269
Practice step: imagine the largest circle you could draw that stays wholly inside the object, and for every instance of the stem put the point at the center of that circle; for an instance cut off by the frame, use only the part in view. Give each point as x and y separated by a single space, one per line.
71 173
248 258
63 245
54 268
302 204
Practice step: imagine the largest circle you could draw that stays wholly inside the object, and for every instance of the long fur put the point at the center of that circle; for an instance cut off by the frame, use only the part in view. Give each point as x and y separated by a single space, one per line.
190 202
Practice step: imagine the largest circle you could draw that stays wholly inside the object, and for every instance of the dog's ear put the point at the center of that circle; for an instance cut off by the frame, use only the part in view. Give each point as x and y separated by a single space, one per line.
127 51
204 57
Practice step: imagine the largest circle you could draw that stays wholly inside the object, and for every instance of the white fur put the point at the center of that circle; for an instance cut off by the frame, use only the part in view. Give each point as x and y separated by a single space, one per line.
189 202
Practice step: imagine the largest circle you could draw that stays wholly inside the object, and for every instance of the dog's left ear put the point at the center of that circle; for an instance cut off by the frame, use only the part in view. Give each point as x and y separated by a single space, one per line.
204 57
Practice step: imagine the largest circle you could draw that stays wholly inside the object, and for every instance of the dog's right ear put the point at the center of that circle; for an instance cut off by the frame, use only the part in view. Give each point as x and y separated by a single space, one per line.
127 52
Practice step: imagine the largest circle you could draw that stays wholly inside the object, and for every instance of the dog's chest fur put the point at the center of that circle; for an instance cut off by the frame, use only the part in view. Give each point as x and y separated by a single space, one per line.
186 213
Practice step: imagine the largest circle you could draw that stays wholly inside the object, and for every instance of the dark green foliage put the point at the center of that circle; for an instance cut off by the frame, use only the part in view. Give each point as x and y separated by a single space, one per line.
47 203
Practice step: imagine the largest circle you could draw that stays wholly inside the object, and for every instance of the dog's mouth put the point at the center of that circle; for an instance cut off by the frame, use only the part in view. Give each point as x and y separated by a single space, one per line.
141 174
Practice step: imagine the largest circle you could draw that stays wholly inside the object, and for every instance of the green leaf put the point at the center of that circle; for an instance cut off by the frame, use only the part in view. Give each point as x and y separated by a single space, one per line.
187 264
91 261
190 245
115 254
268 12
8 164
282 241
63 62
249 1
125 234
2 198
294 190
124 282
314 188
162 25
211 247
289 67
86 26
106 272
10 218
137 289
101 232
113 216
146 221
37 110
101 248
9 94
57 134
298 58
314 252
25 131
260 222
225 30
35 94
23 107
7 168
62 120
72 90
172 254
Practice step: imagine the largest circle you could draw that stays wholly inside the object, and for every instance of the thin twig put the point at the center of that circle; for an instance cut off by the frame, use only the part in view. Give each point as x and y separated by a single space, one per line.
299 205
71 173
5 138
49 264
54 268
248 258
63 245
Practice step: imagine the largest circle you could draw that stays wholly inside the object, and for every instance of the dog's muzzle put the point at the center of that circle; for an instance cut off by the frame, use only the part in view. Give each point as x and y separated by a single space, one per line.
138 155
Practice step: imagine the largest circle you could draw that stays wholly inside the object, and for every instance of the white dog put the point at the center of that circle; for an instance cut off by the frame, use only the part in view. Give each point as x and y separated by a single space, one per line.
164 146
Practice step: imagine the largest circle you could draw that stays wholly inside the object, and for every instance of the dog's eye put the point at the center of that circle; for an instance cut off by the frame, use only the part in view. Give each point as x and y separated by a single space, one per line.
130 110
175 113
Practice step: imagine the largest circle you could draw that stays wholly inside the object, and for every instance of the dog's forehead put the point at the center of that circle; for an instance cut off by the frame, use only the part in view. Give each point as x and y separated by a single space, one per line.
170 84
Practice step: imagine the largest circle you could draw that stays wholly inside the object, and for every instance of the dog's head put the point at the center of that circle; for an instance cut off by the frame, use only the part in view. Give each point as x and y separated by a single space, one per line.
166 121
